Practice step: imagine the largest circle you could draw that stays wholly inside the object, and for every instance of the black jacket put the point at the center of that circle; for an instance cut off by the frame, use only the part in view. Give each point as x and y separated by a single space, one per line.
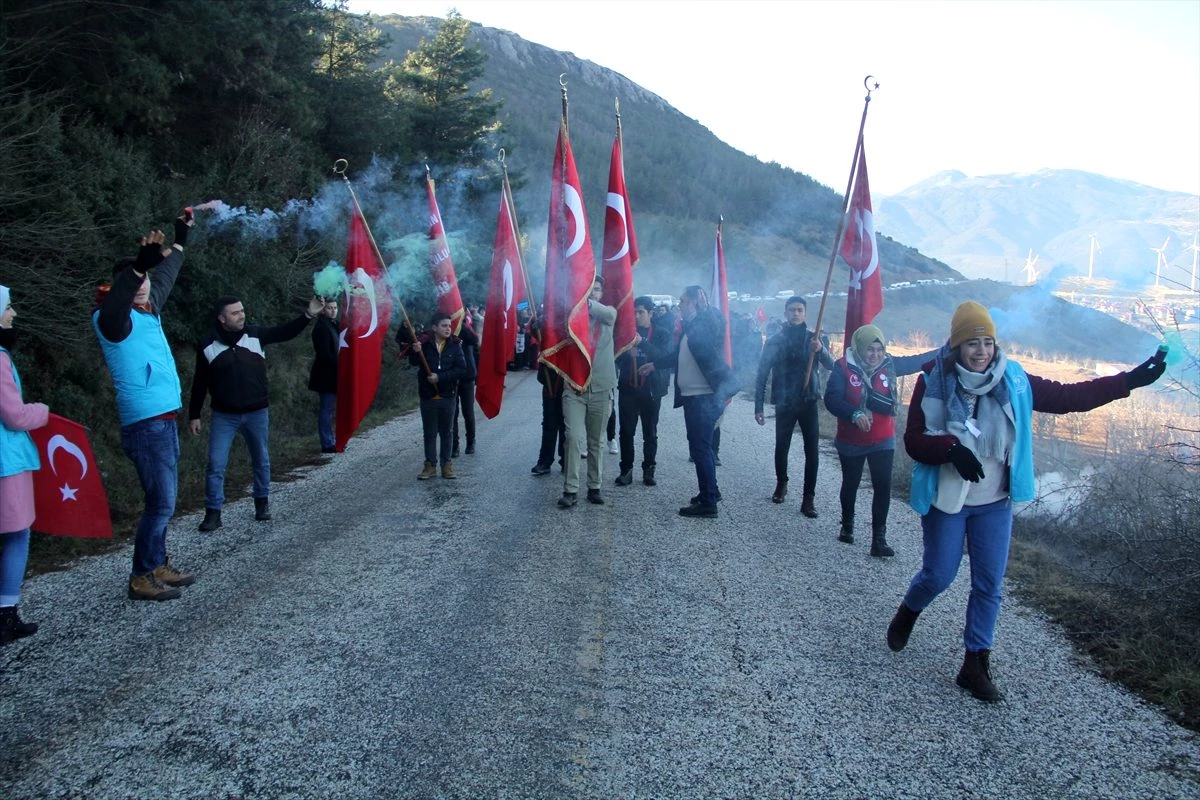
655 346
705 333
232 367
325 339
785 359
450 365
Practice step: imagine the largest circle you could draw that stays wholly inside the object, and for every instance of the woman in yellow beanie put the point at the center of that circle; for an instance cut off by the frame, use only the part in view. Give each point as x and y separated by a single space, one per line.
862 395
970 433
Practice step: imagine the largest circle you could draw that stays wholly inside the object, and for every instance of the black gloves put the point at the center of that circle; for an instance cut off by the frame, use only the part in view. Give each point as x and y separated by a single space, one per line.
149 256
1147 372
965 462
181 227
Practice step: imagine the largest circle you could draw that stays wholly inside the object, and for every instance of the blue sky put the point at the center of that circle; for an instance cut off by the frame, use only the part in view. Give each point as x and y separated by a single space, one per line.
982 87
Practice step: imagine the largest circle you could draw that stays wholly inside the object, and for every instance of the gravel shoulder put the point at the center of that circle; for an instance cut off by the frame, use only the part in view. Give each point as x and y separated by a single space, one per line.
384 637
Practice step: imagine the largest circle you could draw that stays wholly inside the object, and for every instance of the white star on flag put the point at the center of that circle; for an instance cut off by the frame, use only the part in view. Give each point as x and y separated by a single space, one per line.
68 493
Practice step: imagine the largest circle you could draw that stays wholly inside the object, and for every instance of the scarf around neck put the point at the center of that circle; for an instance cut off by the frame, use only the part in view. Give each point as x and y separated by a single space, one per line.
954 395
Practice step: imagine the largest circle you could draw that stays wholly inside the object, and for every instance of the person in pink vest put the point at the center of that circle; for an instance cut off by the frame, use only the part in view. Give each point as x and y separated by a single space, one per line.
861 393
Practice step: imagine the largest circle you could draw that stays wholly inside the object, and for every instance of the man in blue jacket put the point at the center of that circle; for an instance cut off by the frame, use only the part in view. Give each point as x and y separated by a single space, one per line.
231 365
130 331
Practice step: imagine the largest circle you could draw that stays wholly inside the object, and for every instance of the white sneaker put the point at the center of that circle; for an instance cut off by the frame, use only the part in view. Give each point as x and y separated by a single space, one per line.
612 447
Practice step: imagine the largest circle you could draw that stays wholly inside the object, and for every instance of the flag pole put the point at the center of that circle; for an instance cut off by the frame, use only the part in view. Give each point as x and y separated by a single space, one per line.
339 168
837 238
512 218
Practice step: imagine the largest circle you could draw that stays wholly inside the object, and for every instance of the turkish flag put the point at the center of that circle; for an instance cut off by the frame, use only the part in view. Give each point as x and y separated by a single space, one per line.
860 252
68 495
567 347
506 291
441 267
620 253
368 310
718 294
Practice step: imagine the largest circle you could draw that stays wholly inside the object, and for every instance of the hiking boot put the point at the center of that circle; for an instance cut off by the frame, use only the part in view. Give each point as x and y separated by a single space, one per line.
625 478
807 508
900 628
695 501
470 449
697 510
847 534
169 576
448 471
540 469
879 545
780 491
976 676
427 472
212 520
13 627
568 500
262 509
148 587
595 498
648 476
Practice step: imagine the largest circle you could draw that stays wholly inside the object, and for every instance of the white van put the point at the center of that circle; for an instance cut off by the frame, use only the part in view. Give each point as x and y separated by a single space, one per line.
663 300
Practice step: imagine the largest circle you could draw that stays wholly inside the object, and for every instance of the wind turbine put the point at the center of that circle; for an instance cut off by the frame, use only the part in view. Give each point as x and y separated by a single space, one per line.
1031 274
1092 254
1195 248
1162 259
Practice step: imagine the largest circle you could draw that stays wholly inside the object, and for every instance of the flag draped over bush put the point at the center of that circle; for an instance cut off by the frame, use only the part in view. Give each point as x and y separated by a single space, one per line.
368 310
570 271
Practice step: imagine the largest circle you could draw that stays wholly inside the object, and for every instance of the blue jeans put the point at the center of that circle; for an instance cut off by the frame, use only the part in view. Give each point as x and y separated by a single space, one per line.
987 531
325 419
700 415
253 427
153 447
14 553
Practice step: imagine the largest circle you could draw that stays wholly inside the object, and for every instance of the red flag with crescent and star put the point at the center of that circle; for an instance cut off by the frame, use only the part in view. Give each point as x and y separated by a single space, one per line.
620 252
861 253
68 495
506 291
368 310
718 295
567 347
441 267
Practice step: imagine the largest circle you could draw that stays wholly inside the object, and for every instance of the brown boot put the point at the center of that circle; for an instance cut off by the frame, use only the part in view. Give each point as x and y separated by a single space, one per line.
900 628
780 491
169 576
976 676
448 471
148 587
427 472
807 508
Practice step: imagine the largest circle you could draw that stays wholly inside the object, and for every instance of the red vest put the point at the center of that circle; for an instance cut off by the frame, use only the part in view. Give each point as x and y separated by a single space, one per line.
882 426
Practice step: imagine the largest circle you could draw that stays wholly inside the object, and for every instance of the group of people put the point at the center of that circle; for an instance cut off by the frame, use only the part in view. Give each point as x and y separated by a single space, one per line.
969 426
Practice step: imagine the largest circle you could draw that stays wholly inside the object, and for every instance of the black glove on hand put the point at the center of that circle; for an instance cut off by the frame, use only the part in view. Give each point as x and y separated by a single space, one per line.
1147 372
966 463
182 228
149 256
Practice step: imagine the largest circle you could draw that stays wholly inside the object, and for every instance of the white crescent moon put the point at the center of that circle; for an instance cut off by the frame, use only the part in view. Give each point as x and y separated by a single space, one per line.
508 286
364 280
59 442
575 207
617 203
868 223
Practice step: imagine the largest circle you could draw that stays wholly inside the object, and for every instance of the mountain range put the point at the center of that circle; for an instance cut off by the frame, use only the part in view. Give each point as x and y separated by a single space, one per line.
991 226
779 224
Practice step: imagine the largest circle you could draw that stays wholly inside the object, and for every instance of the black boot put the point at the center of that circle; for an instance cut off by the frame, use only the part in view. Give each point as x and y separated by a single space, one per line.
847 534
976 676
648 476
807 508
262 509
879 545
212 520
900 628
12 627
780 491
625 478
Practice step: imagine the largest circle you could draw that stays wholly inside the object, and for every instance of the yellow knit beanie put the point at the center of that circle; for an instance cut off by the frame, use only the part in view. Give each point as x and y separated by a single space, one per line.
970 321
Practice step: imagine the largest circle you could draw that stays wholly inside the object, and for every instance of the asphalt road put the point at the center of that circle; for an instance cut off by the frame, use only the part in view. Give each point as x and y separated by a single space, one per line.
384 637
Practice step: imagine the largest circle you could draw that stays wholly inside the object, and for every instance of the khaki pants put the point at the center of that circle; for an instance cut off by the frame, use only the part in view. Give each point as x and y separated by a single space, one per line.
585 415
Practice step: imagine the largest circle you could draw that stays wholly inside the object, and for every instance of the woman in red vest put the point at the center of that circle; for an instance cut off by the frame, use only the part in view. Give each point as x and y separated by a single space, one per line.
861 393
